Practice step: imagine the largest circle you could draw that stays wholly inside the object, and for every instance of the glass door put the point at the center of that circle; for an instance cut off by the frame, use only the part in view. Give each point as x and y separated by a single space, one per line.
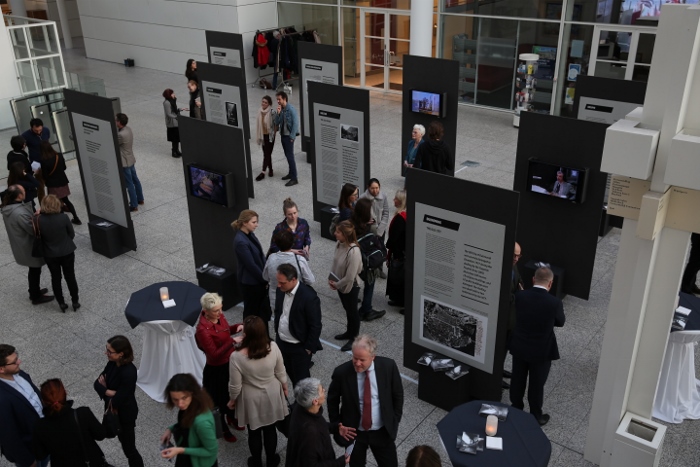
385 42
621 52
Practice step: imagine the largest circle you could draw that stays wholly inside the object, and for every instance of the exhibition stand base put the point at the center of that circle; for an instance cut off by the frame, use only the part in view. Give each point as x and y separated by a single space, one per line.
225 285
326 219
436 388
105 240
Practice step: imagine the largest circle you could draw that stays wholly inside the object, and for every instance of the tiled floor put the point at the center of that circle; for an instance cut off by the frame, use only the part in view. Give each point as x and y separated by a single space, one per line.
71 345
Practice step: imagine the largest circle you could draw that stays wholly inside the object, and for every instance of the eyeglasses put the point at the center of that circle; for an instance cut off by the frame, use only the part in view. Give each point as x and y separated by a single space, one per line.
108 352
12 363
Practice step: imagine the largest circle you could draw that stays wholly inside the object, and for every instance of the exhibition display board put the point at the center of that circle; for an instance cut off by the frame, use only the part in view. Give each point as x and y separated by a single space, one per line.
225 101
321 63
216 194
458 275
97 150
225 48
607 100
557 172
339 139
430 92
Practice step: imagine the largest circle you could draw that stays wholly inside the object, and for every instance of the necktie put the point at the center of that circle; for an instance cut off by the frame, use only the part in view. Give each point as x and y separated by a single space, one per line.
556 188
367 404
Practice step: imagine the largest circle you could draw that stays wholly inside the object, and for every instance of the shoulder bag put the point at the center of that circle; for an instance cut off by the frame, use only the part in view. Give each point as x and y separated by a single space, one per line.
38 245
110 422
86 460
283 425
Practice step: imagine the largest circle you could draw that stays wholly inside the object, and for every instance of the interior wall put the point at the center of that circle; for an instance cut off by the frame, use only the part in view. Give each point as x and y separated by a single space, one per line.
51 9
163 34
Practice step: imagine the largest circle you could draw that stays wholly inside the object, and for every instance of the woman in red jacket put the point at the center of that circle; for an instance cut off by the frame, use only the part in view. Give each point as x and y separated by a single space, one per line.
214 337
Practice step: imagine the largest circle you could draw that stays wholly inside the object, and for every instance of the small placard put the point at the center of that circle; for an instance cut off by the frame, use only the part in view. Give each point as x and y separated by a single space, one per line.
168 303
494 443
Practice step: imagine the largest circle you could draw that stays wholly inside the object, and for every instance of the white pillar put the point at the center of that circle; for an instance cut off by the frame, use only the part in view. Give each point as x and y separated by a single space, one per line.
421 28
18 8
65 27
8 77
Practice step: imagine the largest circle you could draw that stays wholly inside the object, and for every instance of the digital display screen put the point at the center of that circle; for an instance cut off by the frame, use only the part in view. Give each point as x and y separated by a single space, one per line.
557 181
208 185
429 103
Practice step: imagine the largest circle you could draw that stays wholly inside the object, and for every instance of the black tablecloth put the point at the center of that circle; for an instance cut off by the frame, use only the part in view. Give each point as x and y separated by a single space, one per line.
145 305
693 303
524 442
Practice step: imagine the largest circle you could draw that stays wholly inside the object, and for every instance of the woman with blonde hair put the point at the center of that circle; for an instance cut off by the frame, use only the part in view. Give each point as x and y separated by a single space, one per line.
265 133
345 273
57 236
396 254
416 140
251 262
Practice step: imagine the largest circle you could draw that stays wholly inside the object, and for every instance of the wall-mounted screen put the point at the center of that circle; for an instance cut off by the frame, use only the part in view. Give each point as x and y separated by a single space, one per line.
557 181
210 185
430 103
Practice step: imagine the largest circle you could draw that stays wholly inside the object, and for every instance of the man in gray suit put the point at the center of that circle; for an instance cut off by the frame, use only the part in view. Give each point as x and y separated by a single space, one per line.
126 150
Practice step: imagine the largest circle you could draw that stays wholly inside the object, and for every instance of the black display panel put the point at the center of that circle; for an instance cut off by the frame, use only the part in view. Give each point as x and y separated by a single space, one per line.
556 181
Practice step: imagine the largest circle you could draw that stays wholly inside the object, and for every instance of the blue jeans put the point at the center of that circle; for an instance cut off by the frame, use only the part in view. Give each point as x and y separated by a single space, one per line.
288 146
133 186
367 298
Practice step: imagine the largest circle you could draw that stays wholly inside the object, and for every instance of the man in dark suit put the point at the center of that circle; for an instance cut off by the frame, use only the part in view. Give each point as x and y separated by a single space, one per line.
366 394
534 344
20 408
297 322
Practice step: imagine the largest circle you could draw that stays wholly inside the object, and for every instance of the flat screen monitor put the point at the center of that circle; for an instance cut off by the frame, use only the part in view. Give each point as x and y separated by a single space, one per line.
210 185
557 181
429 103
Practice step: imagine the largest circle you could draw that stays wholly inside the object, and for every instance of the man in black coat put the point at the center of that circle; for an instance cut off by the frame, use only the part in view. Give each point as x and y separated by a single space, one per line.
534 344
366 394
20 409
297 322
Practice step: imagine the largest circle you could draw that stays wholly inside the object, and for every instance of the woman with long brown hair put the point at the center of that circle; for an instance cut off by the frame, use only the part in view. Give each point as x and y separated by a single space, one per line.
53 171
258 390
265 134
251 262
347 265
195 430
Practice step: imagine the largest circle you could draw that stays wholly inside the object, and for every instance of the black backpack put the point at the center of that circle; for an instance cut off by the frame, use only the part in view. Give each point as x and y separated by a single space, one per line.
373 253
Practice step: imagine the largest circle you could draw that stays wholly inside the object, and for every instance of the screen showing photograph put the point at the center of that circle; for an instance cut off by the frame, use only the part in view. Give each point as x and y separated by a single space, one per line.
349 132
232 113
556 181
208 185
425 103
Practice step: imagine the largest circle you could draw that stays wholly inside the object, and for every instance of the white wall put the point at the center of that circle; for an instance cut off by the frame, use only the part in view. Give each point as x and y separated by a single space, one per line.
52 13
163 34
8 78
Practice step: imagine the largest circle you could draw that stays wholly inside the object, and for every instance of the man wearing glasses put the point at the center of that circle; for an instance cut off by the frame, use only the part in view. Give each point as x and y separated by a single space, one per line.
20 408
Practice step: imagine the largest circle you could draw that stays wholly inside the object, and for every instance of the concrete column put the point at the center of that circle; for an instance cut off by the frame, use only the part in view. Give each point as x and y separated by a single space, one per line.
8 77
18 8
421 28
65 27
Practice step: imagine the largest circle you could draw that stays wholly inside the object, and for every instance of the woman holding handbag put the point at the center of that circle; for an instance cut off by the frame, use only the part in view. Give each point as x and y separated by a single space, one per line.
396 255
59 249
116 386
66 434
53 171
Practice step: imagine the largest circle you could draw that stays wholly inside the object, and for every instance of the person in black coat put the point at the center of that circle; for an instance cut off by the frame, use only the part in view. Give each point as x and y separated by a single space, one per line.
396 255
19 176
345 404
533 343
434 155
309 443
57 236
67 435
297 324
116 386
18 153
53 171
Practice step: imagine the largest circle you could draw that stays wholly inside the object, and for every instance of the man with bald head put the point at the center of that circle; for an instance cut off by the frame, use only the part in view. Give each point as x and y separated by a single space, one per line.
534 344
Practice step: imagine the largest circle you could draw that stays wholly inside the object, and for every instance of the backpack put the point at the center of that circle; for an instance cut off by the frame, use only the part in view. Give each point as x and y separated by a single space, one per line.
373 253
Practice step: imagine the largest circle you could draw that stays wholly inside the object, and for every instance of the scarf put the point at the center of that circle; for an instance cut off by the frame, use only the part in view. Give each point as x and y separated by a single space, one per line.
264 121
173 105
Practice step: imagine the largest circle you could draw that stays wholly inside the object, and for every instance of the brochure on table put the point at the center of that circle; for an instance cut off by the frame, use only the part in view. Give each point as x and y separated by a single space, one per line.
456 284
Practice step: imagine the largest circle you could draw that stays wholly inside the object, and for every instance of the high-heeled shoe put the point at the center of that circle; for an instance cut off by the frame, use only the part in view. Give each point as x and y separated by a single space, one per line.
63 307
76 305
270 173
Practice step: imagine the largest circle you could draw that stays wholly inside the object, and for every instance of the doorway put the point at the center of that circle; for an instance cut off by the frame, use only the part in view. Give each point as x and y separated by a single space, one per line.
622 52
385 37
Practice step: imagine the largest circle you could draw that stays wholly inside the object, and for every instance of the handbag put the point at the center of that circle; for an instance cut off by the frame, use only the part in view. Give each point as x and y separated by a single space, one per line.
397 272
38 244
80 437
283 425
110 422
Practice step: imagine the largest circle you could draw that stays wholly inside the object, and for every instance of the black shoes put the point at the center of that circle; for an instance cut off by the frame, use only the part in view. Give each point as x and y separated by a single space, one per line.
63 307
270 173
42 299
402 311
543 419
274 462
260 177
134 209
292 183
507 374
177 153
76 305
393 303
76 221
347 347
372 315
343 336
286 177
505 385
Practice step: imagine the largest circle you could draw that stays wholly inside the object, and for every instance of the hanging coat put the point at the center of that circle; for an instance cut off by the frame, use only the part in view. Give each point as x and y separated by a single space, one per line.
263 53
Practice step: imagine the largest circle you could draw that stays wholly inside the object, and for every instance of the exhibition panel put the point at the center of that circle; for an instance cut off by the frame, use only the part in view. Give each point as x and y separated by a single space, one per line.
557 172
97 150
430 94
340 138
321 63
459 273
225 102
216 194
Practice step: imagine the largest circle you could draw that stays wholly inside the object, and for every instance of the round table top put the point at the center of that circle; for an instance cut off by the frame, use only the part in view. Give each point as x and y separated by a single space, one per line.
524 442
145 304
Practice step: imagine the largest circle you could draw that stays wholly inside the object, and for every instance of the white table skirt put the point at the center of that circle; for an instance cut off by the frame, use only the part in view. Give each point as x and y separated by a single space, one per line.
169 348
678 396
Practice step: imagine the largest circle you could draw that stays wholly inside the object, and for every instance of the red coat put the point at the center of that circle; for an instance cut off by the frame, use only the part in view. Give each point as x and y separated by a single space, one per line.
215 339
263 51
